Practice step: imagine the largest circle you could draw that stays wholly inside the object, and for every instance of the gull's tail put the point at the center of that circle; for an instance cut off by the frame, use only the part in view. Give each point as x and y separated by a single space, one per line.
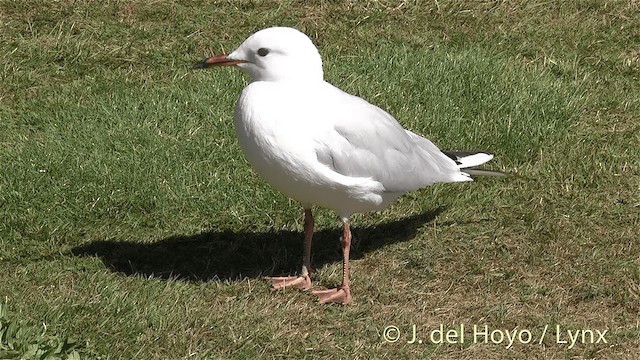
468 160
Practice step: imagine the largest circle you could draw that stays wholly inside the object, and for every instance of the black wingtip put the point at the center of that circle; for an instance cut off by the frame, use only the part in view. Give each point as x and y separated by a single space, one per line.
457 155
201 65
485 172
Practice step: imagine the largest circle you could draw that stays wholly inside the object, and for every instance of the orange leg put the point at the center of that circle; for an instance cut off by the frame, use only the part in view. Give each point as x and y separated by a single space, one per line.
303 281
342 294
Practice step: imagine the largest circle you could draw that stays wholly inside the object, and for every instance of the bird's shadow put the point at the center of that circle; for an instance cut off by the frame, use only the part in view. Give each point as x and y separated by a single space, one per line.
230 255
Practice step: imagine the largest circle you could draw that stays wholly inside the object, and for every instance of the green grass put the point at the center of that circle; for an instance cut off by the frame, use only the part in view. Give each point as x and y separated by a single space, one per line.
131 223
19 341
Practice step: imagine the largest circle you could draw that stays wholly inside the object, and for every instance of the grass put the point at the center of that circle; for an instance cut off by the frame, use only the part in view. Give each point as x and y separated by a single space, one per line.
131 223
19 341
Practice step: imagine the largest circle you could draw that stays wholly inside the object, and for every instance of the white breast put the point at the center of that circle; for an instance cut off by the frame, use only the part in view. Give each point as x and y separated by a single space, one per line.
279 143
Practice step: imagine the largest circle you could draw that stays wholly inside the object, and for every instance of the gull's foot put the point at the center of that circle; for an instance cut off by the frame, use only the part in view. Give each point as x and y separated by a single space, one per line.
298 282
340 295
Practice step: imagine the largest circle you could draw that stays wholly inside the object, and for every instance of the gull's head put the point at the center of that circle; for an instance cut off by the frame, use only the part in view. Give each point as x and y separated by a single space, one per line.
274 54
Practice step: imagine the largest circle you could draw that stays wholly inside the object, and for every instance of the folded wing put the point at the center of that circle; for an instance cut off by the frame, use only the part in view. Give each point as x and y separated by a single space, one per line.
366 141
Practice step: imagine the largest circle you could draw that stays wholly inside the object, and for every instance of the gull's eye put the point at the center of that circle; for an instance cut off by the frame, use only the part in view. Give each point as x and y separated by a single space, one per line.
263 51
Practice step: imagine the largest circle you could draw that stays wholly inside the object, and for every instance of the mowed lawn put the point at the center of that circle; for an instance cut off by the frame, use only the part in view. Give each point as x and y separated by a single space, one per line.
131 227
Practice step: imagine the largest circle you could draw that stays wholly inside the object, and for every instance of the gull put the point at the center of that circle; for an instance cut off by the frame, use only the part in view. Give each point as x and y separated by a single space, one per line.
322 146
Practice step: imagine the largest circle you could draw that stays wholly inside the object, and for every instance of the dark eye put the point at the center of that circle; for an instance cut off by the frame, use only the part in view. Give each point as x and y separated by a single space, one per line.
263 51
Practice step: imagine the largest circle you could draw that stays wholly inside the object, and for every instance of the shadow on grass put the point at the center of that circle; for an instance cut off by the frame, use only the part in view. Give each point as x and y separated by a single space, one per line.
230 255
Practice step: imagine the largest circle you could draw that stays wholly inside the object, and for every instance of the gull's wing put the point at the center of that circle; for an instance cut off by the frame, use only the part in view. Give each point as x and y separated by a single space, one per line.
366 141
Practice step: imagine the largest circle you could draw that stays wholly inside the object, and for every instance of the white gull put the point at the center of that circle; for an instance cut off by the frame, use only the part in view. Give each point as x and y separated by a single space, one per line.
322 146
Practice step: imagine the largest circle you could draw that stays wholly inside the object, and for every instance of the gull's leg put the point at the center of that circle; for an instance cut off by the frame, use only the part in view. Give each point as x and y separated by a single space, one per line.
303 281
342 294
